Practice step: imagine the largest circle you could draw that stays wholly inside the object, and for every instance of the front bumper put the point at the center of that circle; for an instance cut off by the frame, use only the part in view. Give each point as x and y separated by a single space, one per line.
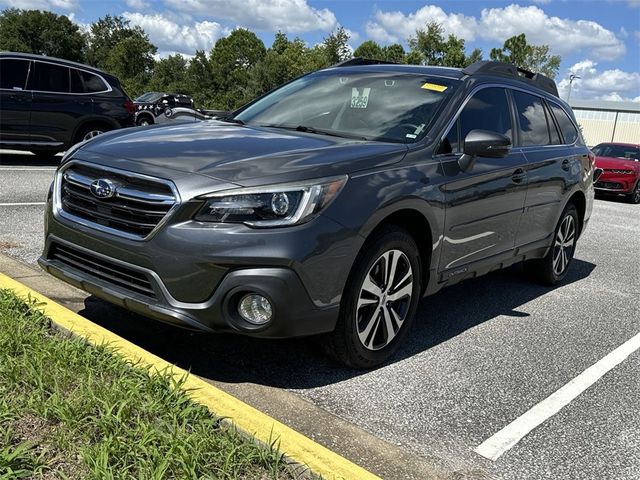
294 313
615 183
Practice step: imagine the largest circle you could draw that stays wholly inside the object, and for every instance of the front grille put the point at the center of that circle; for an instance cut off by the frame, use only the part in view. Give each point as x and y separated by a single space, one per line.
610 185
102 269
137 207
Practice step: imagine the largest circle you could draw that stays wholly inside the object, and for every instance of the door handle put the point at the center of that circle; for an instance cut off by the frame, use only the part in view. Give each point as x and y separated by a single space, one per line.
518 176
566 165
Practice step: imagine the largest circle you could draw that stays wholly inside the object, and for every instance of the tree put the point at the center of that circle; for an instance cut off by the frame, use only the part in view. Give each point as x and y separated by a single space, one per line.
200 79
370 49
170 75
394 53
336 47
535 58
232 60
429 47
43 33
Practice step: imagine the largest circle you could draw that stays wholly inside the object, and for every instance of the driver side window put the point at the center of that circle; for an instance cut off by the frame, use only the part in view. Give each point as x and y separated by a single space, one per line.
489 110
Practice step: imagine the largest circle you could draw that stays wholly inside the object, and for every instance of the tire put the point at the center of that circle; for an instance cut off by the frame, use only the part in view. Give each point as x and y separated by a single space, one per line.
368 312
90 131
634 196
553 268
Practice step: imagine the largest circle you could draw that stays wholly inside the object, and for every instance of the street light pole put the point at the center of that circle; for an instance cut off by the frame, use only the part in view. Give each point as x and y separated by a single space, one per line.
572 77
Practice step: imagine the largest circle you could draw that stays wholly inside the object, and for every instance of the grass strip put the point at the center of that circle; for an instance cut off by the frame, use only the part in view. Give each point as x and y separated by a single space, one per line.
72 410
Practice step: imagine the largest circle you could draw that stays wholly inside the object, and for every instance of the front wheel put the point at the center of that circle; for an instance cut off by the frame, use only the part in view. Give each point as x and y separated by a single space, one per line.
634 197
379 301
552 269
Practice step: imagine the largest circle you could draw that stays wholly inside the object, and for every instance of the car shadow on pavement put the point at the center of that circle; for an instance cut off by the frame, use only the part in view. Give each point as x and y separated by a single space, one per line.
300 363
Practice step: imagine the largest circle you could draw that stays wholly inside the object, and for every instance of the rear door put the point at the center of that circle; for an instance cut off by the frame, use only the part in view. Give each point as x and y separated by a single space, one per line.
548 160
485 204
15 100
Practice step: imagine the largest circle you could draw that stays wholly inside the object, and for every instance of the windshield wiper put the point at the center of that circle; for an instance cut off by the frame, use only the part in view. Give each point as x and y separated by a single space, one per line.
318 131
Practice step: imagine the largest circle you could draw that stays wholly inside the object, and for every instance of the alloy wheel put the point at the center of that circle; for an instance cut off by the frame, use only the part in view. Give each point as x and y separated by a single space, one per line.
635 196
384 300
564 245
91 134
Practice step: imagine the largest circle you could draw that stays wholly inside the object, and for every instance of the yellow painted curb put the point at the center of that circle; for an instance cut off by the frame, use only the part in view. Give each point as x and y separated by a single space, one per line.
294 445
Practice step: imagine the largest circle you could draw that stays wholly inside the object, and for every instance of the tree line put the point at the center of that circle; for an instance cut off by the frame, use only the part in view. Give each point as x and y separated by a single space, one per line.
239 67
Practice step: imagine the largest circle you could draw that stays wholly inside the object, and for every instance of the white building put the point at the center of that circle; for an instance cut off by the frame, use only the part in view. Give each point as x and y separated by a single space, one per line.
603 121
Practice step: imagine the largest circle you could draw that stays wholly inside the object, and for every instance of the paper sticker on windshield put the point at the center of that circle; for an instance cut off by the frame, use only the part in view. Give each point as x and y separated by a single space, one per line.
360 100
434 87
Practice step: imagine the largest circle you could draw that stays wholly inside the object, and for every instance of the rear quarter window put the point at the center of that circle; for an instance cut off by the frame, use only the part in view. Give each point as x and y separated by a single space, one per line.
532 119
568 129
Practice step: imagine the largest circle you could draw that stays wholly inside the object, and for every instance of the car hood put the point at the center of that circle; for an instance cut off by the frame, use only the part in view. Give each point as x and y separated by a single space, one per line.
244 155
609 163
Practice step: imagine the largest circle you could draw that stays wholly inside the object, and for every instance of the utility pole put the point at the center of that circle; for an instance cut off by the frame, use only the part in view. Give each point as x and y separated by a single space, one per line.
572 77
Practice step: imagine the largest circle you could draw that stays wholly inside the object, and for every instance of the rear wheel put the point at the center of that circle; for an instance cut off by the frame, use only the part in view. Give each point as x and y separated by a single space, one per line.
634 197
379 301
144 120
552 269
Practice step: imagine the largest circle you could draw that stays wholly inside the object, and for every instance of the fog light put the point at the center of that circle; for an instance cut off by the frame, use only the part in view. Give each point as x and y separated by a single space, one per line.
255 309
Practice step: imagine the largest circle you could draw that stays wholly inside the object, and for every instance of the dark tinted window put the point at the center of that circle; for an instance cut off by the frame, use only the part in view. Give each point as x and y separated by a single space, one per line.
553 129
13 73
567 128
50 78
85 82
532 119
487 110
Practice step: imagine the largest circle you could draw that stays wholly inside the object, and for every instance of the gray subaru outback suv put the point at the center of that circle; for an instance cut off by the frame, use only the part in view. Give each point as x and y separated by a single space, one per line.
328 206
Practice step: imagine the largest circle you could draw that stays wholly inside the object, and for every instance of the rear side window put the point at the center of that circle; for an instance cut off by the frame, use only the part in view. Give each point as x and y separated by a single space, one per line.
567 127
85 82
487 110
553 129
50 78
532 119
14 73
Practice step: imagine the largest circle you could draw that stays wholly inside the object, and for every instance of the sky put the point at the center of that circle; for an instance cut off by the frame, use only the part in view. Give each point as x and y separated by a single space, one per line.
599 41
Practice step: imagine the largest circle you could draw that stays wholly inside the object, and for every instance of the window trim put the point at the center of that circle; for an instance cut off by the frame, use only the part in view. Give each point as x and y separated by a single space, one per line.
32 68
508 87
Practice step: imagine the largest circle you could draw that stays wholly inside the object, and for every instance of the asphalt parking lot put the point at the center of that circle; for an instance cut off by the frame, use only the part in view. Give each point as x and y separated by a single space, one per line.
481 354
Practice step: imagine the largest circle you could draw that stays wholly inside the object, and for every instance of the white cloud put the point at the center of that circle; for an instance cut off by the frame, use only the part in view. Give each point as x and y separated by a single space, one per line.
170 36
396 26
595 84
67 5
294 16
137 4
563 35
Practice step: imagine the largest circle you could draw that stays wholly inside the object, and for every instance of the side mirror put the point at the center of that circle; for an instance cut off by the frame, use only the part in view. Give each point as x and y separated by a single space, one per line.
483 143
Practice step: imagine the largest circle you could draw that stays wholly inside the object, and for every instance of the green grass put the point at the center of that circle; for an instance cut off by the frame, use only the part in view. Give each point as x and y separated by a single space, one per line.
72 410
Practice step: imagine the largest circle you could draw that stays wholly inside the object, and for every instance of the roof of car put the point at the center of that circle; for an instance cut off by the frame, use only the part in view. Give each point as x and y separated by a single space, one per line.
449 72
33 56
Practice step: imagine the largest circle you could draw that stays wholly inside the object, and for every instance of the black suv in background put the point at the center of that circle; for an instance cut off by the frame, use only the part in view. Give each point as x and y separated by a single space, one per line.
48 104
328 206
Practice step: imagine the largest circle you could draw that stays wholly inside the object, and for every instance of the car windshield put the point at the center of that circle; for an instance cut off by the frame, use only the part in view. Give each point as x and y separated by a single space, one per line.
149 97
617 151
390 106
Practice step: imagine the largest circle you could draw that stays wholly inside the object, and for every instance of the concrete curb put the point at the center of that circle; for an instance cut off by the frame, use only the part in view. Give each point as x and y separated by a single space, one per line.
295 446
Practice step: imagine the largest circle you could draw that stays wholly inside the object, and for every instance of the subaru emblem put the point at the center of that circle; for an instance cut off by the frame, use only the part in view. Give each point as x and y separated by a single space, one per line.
103 188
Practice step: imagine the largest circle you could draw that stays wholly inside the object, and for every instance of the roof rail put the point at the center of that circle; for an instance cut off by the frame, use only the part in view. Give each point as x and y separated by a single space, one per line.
362 61
487 67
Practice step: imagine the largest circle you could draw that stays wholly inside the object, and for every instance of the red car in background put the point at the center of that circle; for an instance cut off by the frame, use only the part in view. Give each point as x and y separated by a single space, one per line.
620 163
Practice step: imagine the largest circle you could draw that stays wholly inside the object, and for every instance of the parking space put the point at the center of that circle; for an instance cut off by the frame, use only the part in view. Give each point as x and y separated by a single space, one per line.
481 354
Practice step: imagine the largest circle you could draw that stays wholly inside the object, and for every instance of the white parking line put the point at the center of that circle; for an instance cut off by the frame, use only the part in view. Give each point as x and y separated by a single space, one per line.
495 446
21 204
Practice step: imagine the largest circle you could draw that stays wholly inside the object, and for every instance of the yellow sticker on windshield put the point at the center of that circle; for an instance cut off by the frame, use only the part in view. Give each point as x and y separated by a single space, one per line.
434 87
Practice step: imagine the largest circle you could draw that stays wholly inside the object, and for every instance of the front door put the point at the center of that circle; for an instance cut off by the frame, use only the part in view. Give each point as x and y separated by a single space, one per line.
483 205
15 101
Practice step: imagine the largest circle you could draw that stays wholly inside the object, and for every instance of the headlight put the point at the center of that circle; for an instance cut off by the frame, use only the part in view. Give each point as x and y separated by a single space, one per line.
271 206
